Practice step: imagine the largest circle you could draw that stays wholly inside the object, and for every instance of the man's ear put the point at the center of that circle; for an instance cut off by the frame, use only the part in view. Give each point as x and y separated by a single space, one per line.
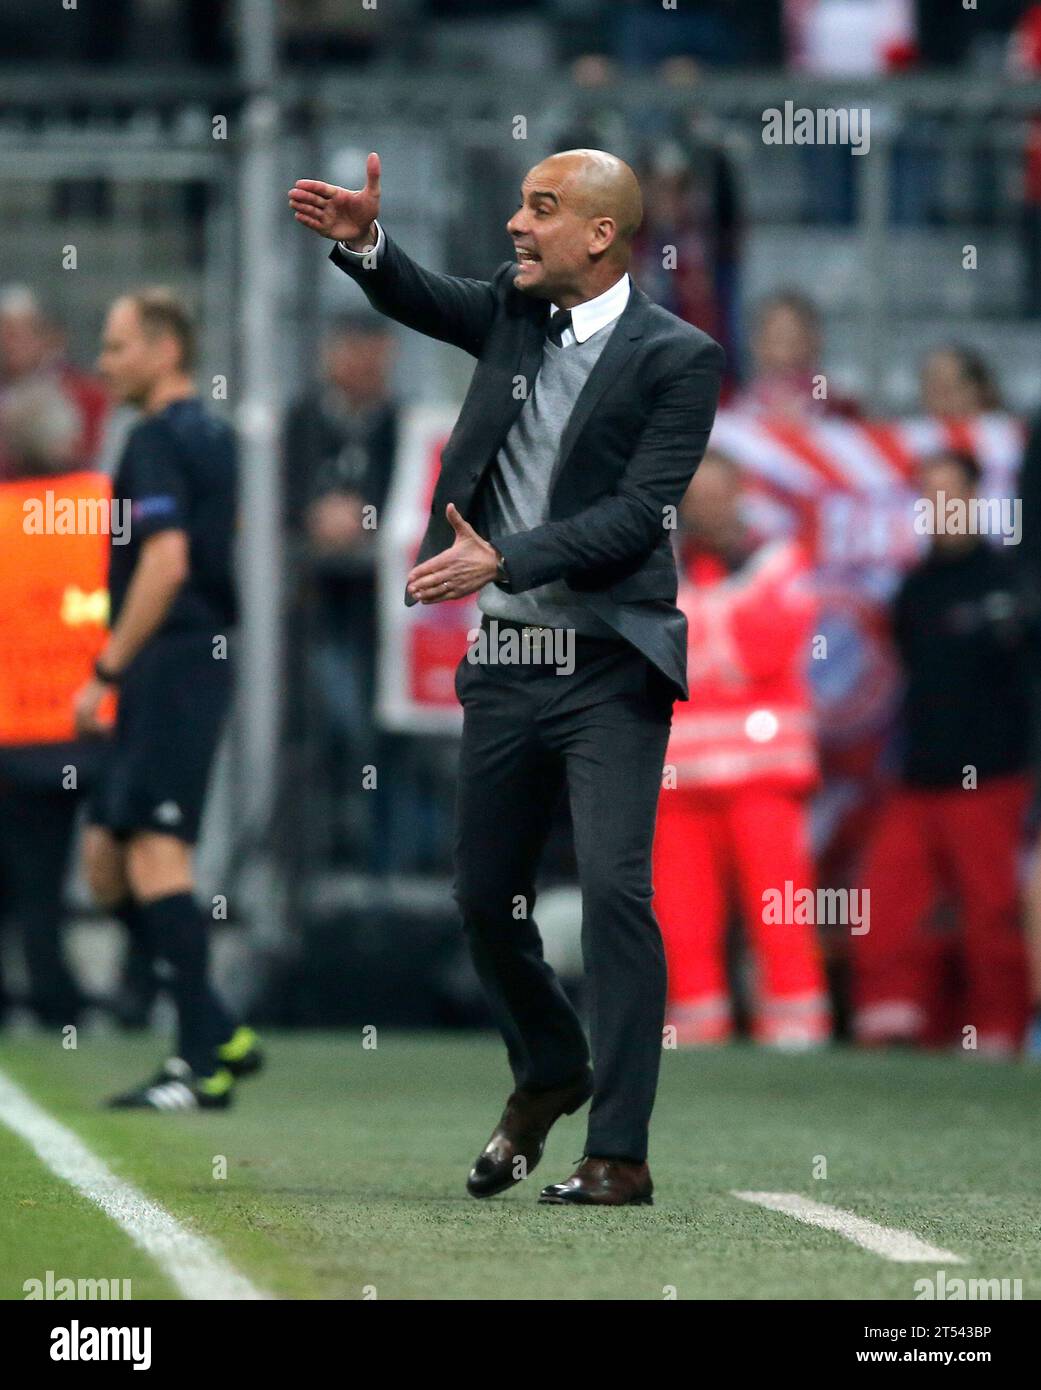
605 231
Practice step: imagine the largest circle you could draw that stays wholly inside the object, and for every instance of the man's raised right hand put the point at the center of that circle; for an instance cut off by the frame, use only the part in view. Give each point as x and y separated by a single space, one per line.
341 214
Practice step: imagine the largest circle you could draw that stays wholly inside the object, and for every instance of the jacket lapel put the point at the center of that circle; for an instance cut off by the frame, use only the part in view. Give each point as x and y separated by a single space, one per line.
479 434
620 347
494 422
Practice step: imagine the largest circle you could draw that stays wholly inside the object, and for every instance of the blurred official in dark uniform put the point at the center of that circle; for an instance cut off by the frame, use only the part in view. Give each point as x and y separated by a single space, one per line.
167 656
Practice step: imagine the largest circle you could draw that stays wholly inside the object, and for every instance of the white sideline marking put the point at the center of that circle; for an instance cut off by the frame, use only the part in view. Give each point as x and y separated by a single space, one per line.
196 1267
892 1244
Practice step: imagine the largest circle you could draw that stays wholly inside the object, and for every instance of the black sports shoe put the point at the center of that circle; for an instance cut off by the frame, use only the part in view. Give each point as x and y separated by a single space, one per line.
176 1087
241 1054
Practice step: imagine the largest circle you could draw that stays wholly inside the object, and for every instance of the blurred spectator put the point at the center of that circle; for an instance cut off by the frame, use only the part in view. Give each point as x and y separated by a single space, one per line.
956 383
685 255
1024 64
718 33
845 38
597 122
1029 555
786 378
965 635
1032 918
32 348
51 629
340 443
327 31
948 37
120 31
849 38
745 762
878 38
1029 551
39 428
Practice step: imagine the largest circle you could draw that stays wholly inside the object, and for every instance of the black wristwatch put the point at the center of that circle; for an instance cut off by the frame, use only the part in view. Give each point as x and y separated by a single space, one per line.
501 576
105 676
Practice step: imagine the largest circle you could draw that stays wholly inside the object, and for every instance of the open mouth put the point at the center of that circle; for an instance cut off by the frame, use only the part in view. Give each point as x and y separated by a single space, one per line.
525 257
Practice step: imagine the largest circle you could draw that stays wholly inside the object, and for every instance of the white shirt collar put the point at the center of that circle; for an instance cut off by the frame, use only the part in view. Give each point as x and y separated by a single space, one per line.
596 313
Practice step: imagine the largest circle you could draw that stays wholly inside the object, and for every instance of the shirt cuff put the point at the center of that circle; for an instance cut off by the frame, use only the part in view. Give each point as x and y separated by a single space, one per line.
360 255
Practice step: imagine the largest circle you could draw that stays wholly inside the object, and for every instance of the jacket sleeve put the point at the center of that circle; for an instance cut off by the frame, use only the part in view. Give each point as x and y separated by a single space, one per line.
627 525
445 307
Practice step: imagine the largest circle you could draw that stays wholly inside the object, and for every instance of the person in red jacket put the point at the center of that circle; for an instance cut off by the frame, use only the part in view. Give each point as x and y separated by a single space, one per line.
951 832
741 762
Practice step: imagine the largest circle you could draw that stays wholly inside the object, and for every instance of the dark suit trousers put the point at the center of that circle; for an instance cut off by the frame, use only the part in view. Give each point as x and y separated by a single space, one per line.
601 731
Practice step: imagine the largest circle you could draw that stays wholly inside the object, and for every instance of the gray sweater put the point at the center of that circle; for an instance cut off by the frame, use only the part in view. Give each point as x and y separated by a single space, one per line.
518 487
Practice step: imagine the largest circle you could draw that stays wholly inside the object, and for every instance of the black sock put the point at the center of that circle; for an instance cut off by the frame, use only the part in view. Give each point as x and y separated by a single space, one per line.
178 934
138 972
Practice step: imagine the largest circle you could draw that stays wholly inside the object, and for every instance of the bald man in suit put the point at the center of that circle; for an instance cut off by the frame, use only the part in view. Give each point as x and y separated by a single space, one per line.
588 413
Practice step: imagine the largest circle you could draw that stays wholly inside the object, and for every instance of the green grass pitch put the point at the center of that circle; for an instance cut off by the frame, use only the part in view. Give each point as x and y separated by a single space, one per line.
345 1172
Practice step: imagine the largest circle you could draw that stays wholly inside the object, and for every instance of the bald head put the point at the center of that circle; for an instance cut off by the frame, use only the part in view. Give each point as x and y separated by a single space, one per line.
573 232
601 185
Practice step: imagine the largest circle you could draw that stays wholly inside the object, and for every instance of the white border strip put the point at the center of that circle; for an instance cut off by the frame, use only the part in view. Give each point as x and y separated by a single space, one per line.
194 1266
903 1247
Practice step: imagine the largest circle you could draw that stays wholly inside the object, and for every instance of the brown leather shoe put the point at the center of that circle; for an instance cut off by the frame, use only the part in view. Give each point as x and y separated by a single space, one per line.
603 1182
521 1135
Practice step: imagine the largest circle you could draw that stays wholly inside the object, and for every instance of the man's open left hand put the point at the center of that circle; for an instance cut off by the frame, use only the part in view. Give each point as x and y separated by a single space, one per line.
466 567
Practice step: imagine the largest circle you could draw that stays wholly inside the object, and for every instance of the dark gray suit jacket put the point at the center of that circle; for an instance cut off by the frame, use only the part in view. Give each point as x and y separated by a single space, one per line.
635 437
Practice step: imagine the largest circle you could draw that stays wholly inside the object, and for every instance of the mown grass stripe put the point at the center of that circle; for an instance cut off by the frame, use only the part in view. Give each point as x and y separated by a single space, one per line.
195 1266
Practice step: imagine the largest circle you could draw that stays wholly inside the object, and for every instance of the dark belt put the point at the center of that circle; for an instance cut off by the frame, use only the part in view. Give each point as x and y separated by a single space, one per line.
534 630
